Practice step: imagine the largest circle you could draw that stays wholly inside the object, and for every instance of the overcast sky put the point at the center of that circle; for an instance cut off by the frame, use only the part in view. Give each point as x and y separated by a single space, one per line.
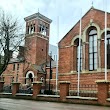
69 12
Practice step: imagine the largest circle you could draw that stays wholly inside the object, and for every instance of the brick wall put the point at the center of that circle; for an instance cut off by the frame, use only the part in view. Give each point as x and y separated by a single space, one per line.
30 50
64 60
9 73
67 50
41 50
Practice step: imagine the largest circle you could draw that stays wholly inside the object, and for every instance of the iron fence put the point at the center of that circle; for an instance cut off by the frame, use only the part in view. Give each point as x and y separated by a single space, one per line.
25 89
7 88
46 89
85 90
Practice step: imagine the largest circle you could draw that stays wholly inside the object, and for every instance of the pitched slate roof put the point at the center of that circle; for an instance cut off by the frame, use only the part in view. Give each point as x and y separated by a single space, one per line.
16 60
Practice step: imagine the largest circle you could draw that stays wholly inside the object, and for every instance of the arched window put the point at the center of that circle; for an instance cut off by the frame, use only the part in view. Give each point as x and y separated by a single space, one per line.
77 54
92 49
108 51
29 76
42 79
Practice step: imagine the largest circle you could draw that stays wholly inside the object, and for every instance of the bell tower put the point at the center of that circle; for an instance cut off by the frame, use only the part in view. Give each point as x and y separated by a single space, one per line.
37 38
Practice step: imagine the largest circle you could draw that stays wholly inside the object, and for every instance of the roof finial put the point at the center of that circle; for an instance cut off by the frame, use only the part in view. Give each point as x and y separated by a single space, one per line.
38 10
92 4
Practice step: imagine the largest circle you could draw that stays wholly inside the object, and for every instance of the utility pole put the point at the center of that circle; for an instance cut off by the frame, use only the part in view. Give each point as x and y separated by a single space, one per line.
50 76
57 55
45 68
79 54
105 40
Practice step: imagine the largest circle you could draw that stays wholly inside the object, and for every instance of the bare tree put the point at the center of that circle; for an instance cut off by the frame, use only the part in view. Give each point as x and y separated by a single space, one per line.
10 38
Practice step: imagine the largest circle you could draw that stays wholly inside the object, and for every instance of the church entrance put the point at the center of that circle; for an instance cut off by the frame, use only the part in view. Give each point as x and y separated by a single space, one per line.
29 77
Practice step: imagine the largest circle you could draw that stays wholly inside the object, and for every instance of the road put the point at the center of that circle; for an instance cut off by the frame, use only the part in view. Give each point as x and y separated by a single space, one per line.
18 104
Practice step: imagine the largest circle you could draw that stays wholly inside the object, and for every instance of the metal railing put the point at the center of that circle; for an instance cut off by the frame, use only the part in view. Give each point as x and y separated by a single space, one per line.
7 88
45 89
86 90
25 89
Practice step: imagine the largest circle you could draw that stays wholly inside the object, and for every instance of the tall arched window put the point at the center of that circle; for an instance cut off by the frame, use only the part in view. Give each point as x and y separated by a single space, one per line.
77 54
108 51
93 50
80 57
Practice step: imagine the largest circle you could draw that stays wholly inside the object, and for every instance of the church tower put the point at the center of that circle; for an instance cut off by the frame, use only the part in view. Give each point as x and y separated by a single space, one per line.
37 38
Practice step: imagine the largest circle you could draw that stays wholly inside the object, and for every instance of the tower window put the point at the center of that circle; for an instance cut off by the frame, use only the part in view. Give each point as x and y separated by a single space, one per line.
43 29
31 29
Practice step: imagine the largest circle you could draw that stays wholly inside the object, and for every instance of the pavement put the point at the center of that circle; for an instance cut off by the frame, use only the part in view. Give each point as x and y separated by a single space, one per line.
18 104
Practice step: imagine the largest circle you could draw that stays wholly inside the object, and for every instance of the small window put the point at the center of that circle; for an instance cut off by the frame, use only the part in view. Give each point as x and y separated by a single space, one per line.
13 67
42 79
17 66
34 27
28 30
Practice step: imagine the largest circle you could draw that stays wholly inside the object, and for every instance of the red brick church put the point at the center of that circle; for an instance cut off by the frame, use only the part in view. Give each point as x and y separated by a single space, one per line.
33 61
92 50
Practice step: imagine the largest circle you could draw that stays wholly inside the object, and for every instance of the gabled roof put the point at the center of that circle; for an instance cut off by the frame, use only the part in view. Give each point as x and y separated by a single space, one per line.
92 8
16 60
38 68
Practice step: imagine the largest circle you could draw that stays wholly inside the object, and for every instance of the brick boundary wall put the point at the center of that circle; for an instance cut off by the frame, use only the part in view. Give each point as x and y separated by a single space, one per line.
102 98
